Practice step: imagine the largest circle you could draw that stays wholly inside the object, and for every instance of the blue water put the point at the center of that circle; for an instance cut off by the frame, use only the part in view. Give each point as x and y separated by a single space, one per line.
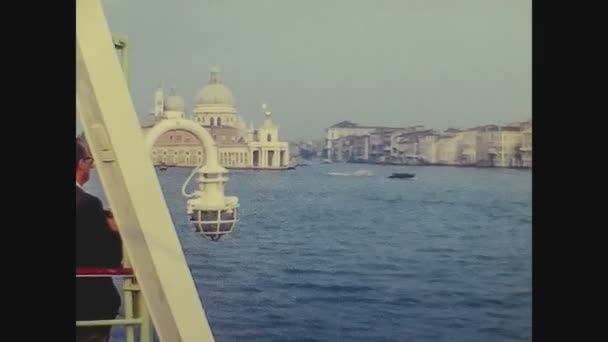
316 257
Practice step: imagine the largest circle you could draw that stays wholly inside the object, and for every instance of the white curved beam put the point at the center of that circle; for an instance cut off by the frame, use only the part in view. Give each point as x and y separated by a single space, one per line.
198 131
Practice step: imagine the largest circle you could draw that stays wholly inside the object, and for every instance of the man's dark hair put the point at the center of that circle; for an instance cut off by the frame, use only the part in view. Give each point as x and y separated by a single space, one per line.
81 151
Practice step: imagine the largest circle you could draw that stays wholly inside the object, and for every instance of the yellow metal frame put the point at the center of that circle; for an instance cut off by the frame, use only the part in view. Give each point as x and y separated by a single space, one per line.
134 306
108 118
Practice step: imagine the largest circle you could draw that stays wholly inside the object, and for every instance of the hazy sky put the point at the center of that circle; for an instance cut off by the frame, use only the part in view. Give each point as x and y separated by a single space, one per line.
438 63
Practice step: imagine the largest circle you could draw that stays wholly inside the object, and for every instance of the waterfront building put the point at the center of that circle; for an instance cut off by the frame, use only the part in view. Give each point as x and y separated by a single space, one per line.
499 146
526 145
333 144
407 147
490 145
239 146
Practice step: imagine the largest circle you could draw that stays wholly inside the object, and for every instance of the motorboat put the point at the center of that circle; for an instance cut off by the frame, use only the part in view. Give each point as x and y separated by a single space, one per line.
402 175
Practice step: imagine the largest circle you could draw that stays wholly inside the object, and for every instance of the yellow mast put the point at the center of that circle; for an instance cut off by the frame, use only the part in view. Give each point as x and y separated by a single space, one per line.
127 175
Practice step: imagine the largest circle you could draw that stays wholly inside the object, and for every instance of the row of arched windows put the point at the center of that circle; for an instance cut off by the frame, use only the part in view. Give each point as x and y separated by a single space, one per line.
215 120
233 158
177 157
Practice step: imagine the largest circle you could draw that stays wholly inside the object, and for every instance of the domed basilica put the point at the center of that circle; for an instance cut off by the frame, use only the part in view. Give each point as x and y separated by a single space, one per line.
239 146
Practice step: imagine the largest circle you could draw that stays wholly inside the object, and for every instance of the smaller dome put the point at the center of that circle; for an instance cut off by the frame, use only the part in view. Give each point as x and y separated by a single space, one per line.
175 103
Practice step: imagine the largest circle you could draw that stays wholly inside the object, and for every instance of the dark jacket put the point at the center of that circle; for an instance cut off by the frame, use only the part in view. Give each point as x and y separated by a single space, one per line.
96 247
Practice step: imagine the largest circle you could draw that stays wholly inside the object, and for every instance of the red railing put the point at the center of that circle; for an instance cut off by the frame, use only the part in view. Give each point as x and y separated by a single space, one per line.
104 272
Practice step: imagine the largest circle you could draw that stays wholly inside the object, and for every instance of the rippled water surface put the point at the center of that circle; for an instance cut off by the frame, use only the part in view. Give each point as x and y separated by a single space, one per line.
320 257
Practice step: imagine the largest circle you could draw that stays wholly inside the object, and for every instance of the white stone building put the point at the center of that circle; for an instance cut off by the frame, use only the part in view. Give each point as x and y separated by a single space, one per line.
499 146
526 145
215 110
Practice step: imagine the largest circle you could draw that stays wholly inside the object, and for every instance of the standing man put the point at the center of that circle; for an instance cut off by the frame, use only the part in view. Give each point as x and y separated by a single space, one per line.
98 245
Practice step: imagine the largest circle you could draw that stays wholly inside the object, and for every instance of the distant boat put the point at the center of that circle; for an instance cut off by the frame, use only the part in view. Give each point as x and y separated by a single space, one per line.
162 167
402 175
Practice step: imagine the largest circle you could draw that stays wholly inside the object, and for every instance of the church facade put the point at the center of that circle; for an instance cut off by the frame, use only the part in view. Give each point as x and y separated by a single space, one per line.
239 146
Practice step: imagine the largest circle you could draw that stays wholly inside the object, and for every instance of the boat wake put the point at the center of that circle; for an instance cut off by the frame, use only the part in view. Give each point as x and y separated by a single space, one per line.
356 173
339 174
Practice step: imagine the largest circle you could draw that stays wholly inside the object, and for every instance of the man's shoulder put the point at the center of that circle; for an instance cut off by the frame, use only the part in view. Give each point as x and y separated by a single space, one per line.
81 194
84 198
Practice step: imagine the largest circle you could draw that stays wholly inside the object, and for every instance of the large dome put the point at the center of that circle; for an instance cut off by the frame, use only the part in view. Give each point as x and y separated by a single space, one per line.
215 93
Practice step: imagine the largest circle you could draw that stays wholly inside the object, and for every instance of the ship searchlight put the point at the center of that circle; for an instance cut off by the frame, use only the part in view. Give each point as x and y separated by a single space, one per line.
211 213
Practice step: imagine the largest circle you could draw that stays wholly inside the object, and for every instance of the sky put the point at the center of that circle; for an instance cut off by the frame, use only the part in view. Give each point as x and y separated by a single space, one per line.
438 63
